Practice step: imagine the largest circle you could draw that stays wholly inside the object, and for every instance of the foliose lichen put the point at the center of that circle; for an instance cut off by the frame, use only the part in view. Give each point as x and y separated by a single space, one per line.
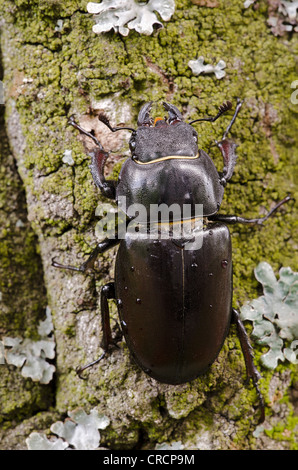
173 446
275 315
282 16
123 15
31 355
80 431
197 66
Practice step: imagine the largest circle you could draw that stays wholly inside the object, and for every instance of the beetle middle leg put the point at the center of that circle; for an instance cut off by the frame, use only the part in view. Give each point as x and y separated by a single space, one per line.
107 292
252 372
234 219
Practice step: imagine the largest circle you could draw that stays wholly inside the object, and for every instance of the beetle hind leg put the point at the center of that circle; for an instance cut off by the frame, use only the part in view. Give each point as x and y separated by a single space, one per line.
107 293
252 372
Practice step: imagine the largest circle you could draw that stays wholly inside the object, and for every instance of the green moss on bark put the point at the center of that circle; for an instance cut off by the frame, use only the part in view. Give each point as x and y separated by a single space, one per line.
22 299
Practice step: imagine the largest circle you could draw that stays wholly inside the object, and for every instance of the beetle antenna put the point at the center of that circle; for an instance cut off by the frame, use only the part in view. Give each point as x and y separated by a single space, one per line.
222 109
103 118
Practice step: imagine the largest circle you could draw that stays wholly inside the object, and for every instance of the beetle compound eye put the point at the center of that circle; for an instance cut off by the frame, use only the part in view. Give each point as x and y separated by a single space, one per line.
195 137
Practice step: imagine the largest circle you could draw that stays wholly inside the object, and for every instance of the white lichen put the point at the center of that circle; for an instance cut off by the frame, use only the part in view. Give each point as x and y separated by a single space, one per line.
275 315
31 355
124 15
282 16
247 3
37 441
197 66
67 157
20 223
288 9
59 26
80 431
173 446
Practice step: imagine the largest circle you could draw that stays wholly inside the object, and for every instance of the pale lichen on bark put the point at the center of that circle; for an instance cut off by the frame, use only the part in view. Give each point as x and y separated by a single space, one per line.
52 72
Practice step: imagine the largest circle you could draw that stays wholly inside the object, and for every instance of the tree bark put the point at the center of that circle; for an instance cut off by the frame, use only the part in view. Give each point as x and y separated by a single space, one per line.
51 72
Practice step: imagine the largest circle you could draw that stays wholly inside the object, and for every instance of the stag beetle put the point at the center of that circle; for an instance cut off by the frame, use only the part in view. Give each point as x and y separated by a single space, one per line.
174 303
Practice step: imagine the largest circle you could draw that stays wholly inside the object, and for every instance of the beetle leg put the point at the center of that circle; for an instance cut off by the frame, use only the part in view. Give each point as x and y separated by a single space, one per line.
227 148
98 160
234 219
251 370
228 151
73 123
89 263
107 292
238 107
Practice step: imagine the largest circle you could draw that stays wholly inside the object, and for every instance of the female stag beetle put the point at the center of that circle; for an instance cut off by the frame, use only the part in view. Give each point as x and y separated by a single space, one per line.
174 301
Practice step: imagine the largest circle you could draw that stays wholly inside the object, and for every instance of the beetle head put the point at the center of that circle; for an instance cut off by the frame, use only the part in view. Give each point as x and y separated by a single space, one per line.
158 138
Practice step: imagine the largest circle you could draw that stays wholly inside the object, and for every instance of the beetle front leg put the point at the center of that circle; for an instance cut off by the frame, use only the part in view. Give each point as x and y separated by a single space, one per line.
228 149
252 372
107 292
98 160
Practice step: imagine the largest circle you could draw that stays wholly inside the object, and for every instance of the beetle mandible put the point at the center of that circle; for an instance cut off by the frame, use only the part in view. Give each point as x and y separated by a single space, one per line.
174 303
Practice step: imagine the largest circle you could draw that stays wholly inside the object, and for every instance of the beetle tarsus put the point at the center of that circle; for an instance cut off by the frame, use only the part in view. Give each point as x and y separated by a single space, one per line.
274 209
55 264
79 370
